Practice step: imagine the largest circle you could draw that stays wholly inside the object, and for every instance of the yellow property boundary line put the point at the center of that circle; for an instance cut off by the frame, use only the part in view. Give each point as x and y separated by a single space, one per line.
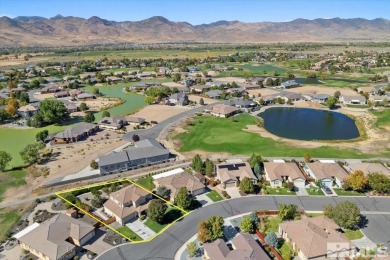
59 194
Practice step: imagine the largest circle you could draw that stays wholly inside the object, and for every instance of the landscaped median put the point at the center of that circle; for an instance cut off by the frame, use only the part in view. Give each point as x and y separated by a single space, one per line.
93 201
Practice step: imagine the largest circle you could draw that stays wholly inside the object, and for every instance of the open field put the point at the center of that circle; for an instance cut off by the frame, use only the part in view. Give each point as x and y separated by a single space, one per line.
11 179
383 120
7 219
159 112
212 134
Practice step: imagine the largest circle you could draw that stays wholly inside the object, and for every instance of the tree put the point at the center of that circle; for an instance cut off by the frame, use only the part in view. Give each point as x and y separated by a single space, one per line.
163 191
94 165
84 107
259 121
33 84
307 157
89 117
379 182
255 159
328 210
150 100
209 167
12 106
246 225
135 138
216 227
337 94
290 74
191 249
105 114
272 240
357 181
331 102
255 220
52 111
246 185
257 170
156 210
346 214
201 101
24 97
287 211
5 158
3 115
176 77
41 136
183 199
96 91
203 231
197 163
30 154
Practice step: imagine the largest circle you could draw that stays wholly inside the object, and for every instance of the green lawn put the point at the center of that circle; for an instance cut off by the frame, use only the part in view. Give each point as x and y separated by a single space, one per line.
7 219
358 106
10 179
147 183
129 233
315 191
353 234
279 191
214 196
272 224
153 225
342 192
227 135
285 250
383 118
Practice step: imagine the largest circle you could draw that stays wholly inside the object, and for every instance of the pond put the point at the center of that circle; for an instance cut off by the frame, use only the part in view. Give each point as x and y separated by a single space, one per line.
132 102
309 124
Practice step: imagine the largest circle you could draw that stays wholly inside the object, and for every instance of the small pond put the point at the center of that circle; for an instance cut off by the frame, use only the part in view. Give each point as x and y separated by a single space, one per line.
309 124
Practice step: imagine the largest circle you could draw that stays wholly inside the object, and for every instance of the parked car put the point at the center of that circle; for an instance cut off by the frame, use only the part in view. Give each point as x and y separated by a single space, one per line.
328 191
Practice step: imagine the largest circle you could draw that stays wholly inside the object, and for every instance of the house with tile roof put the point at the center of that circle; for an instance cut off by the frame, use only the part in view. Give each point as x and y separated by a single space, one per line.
328 172
222 110
278 172
230 174
367 168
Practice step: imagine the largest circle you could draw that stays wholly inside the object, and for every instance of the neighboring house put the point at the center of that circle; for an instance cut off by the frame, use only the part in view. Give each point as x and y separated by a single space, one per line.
214 94
320 98
246 105
180 99
236 90
76 133
27 110
144 153
127 203
278 172
230 174
373 90
222 110
367 168
244 247
114 122
199 88
71 107
49 88
85 96
289 84
113 79
247 86
379 99
61 94
353 100
56 238
176 181
311 237
76 92
328 172
132 120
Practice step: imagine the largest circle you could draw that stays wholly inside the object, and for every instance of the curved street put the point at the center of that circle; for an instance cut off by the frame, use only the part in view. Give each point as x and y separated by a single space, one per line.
376 210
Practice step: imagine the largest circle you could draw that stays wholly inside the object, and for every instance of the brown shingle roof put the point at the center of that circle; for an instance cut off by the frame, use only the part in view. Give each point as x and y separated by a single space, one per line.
312 235
224 109
232 171
327 170
276 170
177 181
369 168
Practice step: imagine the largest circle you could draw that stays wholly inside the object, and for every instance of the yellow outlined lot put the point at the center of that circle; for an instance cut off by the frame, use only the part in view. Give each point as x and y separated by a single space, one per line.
59 194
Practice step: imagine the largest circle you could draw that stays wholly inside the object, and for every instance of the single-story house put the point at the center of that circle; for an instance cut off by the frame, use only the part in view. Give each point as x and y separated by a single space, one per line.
56 238
236 90
132 120
247 86
244 104
27 110
320 98
199 88
71 107
230 174
49 88
144 153
373 90
222 110
176 181
127 203
244 247
114 122
367 168
76 133
328 172
379 99
278 172
353 100
85 96
214 94
61 94
312 238
289 84
76 92
87 75
180 99
113 79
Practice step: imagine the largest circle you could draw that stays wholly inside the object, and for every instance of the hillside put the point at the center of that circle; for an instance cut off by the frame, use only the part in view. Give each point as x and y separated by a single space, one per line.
59 31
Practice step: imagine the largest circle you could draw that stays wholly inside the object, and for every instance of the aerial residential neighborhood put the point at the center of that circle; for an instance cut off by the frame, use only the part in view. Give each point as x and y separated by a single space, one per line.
194 130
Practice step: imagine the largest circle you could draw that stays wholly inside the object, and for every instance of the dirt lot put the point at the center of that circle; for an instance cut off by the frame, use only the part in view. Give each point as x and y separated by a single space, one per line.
159 112
321 90
197 99
231 79
262 91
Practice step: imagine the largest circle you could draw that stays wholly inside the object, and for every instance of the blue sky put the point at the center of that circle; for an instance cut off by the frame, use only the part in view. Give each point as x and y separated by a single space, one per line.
199 11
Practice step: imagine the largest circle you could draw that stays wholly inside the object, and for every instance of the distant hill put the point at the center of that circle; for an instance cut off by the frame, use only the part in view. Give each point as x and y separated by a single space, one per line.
60 31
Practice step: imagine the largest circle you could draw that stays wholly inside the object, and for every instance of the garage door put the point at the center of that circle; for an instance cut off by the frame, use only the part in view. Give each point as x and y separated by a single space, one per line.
230 184
299 183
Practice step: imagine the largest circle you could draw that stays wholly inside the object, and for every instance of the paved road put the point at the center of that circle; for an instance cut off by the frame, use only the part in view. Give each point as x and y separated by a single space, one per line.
166 245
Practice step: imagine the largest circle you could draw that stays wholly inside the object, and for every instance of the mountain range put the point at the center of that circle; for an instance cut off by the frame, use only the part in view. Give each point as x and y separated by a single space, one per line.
73 31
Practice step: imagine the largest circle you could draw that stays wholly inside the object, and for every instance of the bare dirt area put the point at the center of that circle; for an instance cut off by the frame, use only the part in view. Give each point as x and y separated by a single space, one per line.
196 98
322 90
12 60
262 91
172 84
231 79
211 155
159 112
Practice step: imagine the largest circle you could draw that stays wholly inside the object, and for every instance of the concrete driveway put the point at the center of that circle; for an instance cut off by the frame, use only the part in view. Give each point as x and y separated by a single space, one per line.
301 191
203 199
141 229
233 192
